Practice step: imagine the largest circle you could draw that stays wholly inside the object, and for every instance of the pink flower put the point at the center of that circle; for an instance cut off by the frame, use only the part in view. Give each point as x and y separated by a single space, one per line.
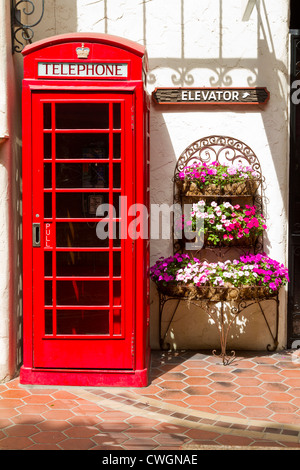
253 223
273 286
232 170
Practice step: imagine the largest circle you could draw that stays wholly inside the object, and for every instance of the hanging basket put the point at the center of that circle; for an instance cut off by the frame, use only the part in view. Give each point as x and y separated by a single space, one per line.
189 188
236 242
214 294
240 188
241 242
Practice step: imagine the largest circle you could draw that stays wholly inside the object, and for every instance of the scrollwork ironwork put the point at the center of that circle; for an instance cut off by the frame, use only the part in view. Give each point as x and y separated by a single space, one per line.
221 149
225 150
22 33
215 311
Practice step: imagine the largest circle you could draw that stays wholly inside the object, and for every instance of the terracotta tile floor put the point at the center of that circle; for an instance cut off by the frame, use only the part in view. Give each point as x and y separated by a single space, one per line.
192 401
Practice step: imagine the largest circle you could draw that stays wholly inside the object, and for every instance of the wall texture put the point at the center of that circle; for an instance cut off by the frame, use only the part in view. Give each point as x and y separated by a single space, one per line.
10 205
203 43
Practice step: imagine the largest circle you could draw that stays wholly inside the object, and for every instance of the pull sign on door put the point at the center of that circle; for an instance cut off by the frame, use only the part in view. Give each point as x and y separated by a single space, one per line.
48 235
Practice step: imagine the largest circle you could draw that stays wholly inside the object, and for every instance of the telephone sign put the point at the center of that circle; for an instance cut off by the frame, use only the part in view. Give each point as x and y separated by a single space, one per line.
79 69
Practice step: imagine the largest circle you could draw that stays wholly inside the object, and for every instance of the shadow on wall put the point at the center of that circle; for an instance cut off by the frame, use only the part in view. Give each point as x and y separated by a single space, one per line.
215 69
219 70
185 71
60 17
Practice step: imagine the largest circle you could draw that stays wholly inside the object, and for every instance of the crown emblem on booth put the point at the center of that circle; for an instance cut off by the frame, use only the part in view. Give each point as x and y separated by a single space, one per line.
82 52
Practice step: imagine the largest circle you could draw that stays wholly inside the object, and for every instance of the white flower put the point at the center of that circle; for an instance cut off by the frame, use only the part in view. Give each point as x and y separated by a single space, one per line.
226 274
219 281
199 203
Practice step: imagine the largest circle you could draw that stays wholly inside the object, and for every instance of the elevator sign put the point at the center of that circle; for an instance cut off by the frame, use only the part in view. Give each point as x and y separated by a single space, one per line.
211 96
82 69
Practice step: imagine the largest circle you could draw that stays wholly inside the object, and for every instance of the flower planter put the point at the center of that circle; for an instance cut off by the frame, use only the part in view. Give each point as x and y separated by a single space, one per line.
223 224
189 188
243 241
236 242
244 188
214 294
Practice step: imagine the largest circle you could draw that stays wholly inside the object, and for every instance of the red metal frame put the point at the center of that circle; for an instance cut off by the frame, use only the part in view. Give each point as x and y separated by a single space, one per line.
110 359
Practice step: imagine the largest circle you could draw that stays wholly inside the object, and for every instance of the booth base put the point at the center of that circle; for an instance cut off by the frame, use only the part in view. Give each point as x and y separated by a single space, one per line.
84 378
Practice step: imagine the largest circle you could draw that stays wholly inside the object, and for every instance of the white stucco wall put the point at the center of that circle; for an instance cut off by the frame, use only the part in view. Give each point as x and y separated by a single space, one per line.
10 207
204 44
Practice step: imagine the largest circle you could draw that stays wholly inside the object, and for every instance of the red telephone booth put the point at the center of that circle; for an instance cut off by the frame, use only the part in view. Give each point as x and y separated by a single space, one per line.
85 167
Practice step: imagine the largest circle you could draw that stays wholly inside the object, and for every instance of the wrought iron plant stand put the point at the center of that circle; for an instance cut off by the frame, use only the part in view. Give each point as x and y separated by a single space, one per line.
224 150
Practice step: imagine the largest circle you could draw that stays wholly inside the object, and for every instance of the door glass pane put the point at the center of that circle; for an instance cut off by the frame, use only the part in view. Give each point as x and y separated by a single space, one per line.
47 205
48 263
47 146
116 235
47 115
82 322
82 116
82 175
117 176
48 322
47 175
117 115
80 263
79 205
116 203
48 292
117 321
80 234
82 292
117 263
117 146
82 145
117 293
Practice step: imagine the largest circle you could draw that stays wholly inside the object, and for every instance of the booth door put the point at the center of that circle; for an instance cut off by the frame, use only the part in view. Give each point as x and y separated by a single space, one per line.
83 277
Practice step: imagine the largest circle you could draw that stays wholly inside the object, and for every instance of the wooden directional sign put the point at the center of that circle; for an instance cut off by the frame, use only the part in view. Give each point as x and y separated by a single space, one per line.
211 96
